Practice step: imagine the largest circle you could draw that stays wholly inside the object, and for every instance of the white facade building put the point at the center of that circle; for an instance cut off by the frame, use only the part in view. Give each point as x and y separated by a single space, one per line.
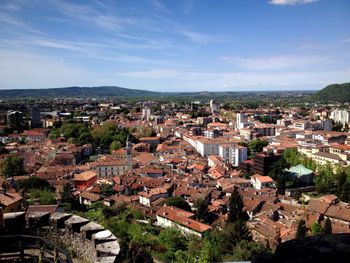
342 116
242 120
233 154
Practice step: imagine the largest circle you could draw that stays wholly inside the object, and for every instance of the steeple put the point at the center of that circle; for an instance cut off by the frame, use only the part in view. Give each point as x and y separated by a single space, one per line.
128 148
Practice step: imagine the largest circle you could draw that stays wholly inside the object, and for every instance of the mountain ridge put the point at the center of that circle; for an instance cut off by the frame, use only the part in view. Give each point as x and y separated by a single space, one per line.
114 91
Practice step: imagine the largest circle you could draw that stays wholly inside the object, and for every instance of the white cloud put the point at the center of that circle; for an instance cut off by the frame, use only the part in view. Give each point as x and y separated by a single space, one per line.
15 22
291 2
202 38
25 70
278 62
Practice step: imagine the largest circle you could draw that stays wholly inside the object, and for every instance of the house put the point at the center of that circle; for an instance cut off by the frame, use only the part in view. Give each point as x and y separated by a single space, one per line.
35 135
85 179
146 198
153 173
10 201
110 168
170 216
152 141
87 198
259 182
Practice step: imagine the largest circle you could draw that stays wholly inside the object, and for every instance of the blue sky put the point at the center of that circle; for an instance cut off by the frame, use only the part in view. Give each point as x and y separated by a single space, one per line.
175 45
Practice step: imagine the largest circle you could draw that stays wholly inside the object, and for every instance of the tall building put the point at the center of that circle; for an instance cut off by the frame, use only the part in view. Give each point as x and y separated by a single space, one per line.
36 118
342 116
159 119
128 148
15 119
242 120
233 154
327 125
213 106
146 113
263 162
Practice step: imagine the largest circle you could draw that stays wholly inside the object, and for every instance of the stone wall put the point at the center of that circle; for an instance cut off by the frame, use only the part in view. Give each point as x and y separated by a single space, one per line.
89 241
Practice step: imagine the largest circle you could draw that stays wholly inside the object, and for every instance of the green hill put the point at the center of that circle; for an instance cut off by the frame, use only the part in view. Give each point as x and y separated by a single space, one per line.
103 91
334 92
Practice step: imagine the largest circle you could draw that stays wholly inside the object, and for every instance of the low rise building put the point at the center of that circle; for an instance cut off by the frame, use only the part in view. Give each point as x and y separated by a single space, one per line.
259 182
170 216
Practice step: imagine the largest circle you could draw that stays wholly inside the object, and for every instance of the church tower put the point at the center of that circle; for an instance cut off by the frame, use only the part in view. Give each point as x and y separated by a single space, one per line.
128 152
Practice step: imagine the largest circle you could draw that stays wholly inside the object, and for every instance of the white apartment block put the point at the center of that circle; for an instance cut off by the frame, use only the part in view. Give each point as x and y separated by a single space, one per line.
342 116
242 120
233 154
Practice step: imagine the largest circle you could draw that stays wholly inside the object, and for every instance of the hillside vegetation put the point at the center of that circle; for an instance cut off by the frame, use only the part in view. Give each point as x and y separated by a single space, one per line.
334 92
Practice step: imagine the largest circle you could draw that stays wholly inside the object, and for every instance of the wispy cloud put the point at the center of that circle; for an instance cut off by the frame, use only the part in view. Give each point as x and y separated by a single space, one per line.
278 62
203 38
189 5
10 20
291 2
90 15
158 6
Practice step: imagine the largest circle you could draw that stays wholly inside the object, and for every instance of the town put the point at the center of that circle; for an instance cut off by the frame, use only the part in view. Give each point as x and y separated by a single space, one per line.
196 169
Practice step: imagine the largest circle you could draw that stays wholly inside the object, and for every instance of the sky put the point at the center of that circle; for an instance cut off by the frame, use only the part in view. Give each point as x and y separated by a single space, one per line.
175 45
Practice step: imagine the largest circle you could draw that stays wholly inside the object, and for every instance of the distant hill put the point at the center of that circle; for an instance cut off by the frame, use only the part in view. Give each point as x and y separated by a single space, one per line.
334 92
114 91
102 91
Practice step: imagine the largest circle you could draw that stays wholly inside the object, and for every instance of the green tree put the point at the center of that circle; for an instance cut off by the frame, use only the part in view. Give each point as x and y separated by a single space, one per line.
11 166
33 183
236 206
115 145
327 227
316 228
279 174
47 197
324 181
107 189
233 233
179 202
246 250
201 208
212 248
345 193
256 146
207 253
340 180
72 130
54 134
85 138
301 230
67 193
173 240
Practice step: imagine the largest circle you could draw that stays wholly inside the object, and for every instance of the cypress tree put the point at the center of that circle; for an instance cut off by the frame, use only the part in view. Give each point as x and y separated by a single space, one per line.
327 227
301 230
236 212
345 193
